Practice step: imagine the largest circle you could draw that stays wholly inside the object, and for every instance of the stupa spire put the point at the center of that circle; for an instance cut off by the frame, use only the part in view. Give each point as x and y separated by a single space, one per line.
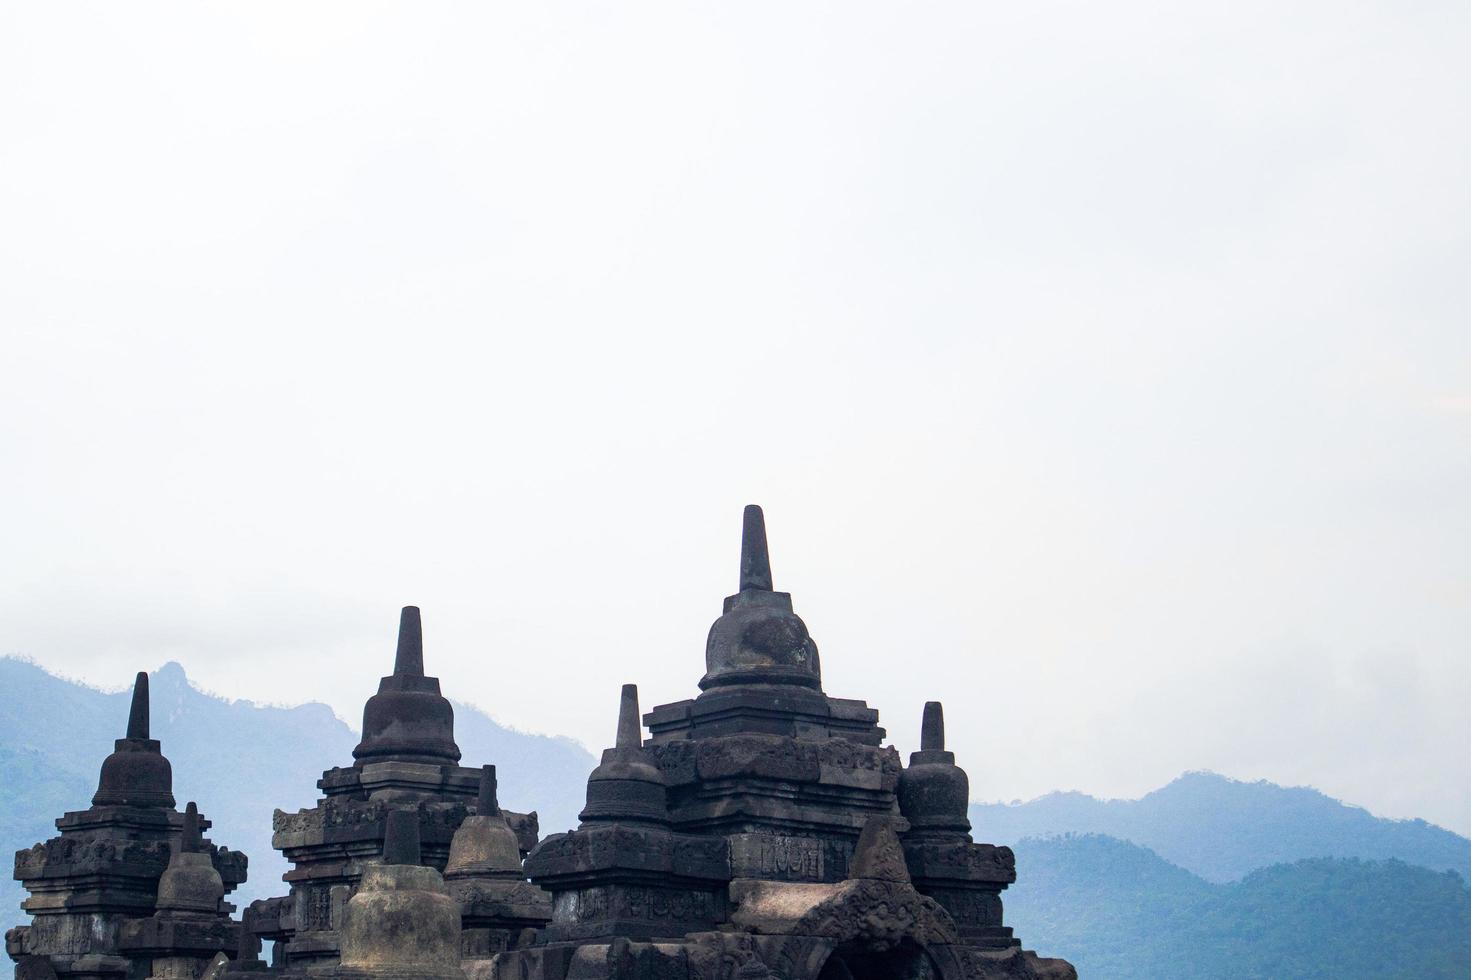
755 557
138 710
190 840
409 661
630 730
401 837
487 804
932 728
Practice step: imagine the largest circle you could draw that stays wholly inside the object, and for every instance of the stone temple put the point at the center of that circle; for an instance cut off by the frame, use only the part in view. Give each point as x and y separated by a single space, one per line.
761 830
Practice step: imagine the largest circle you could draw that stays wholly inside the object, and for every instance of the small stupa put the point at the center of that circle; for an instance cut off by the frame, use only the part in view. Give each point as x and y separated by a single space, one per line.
401 923
190 927
485 875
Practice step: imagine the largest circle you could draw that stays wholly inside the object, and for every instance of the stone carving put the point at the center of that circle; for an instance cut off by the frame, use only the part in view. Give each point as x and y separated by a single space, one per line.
879 855
778 857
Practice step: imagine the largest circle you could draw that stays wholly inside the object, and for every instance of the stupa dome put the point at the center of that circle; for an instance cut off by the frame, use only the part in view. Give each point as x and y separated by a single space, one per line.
759 639
408 720
136 773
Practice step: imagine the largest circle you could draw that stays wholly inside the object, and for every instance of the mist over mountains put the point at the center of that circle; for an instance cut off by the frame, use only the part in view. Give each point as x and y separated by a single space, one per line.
238 760
1205 877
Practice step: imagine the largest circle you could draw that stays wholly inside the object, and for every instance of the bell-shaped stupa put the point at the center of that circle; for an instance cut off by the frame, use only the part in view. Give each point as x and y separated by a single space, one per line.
758 639
934 793
408 720
626 787
136 773
401 924
485 875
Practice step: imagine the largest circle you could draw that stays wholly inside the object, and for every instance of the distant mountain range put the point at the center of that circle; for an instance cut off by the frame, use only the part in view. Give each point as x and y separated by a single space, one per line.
1119 911
1223 830
237 760
1206 877
1211 877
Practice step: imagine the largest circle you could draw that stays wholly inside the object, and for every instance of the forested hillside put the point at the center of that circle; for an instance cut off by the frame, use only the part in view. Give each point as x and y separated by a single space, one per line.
1120 912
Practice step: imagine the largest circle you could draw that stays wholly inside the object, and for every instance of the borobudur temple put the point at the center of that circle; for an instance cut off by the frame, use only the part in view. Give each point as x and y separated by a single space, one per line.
761 829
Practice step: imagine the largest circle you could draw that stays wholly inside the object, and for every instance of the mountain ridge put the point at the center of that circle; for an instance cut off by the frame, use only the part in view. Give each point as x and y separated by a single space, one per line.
1117 910
1223 829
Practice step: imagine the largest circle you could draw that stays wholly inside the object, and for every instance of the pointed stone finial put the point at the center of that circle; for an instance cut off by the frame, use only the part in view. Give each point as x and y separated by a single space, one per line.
401 837
190 840
409 662
879 854
755 558
630 730
932 728
138 712
487 805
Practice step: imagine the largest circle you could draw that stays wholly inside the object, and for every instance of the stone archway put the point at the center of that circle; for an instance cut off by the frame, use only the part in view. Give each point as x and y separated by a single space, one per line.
908 961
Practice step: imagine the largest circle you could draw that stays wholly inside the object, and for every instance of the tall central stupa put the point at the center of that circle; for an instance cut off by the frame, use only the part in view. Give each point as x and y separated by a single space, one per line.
764 830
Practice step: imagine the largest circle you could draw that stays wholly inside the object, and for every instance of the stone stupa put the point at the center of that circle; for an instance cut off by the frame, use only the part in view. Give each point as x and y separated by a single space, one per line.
96 888
407 761
764 830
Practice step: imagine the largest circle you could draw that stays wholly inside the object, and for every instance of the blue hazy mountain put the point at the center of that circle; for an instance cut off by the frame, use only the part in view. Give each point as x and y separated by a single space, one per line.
1223 830
236 759
1119 911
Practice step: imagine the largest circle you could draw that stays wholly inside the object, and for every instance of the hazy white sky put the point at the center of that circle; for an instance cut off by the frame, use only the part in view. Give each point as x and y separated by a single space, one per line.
1104 369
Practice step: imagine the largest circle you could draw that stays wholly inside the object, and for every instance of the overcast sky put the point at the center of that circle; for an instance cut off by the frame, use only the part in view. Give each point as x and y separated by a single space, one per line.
1104 369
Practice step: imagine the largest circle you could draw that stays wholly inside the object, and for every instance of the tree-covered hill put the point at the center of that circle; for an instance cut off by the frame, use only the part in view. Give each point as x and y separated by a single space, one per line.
1120 912
1223 830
